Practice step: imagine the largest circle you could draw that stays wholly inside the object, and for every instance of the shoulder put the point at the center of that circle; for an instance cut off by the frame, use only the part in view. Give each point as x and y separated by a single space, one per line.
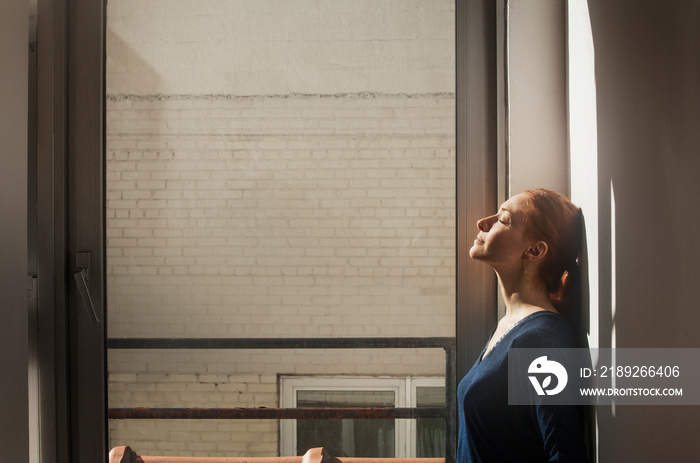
544 330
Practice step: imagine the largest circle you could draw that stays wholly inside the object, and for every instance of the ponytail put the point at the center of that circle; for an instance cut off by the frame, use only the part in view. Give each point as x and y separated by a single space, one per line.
568 301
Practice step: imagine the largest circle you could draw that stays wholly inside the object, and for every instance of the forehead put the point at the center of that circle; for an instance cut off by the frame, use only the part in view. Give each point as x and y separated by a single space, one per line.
516 203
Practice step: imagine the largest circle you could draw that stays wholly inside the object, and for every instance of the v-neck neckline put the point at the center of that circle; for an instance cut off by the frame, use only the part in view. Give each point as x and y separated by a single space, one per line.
485 354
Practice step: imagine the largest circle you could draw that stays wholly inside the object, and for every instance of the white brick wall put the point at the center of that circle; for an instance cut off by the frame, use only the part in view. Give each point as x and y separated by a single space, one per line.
271 232
288 233
279 47
323 205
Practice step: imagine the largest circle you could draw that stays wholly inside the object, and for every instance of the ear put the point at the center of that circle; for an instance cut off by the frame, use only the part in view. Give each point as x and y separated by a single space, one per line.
537 251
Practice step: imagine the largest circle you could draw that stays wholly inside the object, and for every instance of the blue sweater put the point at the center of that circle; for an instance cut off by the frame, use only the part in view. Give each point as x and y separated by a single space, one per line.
491 431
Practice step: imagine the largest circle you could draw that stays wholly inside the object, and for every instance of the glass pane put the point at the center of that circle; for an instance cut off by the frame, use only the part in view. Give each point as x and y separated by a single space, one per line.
275 169
430 433
347 438
339 399
430 396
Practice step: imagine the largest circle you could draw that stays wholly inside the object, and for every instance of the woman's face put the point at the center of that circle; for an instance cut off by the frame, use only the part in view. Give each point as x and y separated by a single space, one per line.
501 240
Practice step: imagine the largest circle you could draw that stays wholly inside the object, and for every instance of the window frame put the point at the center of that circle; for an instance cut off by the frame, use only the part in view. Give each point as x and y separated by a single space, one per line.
70 139
412 383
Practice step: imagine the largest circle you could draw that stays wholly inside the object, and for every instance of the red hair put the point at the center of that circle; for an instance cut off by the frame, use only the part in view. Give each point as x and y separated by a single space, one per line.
552 218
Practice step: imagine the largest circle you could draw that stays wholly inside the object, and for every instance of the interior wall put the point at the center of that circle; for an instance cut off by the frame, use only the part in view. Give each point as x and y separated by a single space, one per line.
583 152
648 106
536 83
14 41
535 154
638 184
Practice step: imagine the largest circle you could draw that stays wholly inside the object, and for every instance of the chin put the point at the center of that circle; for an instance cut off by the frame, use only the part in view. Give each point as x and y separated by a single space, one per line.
474 253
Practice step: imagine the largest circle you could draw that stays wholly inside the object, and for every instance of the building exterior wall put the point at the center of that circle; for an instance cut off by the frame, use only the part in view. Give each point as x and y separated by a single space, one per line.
301 235
271 47
301 187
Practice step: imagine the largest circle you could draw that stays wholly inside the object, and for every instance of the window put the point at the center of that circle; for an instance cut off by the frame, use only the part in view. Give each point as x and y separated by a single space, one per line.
429 433
144 375
363 438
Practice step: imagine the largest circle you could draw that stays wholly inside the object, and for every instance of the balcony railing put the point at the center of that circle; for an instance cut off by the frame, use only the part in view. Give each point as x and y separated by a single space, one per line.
447 413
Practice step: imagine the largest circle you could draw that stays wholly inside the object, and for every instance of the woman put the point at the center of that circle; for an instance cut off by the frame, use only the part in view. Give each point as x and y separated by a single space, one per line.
532 243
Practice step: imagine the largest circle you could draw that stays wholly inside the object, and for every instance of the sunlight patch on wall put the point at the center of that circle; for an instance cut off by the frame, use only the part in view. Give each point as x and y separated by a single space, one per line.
583 137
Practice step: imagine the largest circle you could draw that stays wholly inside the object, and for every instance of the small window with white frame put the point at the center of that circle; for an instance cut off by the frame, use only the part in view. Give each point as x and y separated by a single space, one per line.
370 438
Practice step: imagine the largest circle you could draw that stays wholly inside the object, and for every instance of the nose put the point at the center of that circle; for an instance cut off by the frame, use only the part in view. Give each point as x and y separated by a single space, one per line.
485 224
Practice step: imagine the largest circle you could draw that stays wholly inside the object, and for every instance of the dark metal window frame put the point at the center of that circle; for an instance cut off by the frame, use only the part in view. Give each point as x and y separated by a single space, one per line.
68 177
69 172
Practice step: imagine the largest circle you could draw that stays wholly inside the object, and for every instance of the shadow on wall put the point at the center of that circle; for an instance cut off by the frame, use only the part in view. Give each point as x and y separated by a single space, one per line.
647 75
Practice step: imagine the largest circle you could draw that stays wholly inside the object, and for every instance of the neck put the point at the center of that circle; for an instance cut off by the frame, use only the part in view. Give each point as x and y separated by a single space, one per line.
523 294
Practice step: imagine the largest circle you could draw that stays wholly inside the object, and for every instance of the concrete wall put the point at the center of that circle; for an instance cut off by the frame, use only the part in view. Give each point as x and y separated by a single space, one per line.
648 106
274 169
14 331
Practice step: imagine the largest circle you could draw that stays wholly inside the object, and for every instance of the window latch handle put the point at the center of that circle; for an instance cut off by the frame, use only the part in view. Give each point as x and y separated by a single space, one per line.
82 276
